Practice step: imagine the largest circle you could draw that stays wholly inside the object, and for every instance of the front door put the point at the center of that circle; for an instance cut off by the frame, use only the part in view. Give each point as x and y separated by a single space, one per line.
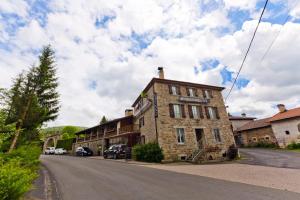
199 137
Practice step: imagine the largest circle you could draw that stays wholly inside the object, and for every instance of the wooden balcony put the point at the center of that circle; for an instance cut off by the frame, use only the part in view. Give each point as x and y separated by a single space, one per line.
128 129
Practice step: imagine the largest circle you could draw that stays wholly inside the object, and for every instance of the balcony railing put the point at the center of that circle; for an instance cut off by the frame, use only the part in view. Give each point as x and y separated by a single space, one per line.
128 128
145 107
193 100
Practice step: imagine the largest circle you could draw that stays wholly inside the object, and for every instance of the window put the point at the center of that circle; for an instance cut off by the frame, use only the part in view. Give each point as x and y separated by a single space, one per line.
176 110
217 135
207 94
287 132
175 90
180 135
254 139
195 112
141 122
212 113
267 138
299 127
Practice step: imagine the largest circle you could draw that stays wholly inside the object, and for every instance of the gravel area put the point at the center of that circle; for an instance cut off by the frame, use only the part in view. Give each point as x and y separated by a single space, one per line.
272 177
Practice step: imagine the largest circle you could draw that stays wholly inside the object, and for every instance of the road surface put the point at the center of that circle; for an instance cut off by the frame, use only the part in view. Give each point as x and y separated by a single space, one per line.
270 157
80 178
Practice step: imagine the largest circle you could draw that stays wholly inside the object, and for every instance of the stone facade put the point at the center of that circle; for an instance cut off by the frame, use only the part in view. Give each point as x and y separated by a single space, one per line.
253 136
166 126
92 144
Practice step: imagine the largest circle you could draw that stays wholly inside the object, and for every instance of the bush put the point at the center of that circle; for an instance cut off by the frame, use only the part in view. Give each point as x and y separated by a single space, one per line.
263 145
150 152
293 145
14 180
66 144
17 171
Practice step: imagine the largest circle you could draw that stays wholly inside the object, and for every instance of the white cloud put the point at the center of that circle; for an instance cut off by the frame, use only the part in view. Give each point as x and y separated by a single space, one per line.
18 7
99 75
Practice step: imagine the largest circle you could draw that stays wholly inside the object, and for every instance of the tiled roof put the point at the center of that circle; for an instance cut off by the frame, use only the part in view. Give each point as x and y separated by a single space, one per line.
241 118
292 113
260 123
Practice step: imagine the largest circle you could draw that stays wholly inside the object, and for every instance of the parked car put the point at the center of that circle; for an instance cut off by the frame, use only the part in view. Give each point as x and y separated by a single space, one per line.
50 150
115 151
84 151
60 151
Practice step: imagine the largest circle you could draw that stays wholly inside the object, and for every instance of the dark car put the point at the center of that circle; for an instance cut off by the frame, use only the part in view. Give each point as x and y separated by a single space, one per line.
84 151
116 151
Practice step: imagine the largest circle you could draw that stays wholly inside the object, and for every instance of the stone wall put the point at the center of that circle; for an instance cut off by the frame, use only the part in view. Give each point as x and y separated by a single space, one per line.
258 135
92 144
166 125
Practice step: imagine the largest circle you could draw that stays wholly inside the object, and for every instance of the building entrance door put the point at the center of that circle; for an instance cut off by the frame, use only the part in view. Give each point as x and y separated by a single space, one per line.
199 137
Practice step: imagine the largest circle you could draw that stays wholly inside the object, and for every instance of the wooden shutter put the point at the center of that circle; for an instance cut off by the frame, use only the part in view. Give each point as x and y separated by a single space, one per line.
203 92
210 94
217 113
178 90
190 111
200 112
170 89
196 92
188 92
171 110
206 112
182 111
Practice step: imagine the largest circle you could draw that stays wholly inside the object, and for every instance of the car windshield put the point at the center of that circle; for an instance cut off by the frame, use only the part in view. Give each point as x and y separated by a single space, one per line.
86 149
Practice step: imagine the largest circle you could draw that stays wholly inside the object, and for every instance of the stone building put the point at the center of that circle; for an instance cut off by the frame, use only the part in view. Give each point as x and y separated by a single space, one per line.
255 131
187 120
239 121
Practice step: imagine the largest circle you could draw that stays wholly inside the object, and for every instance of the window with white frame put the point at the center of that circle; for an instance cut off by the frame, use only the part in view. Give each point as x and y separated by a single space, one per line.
180 135
195 112
217 135
212 113
177 111
207 94
174 90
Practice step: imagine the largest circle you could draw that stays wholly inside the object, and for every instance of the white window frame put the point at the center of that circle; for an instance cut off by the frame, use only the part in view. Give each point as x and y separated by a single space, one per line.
180 135
177 113
212 113
174 90
191 91
219 133
195 112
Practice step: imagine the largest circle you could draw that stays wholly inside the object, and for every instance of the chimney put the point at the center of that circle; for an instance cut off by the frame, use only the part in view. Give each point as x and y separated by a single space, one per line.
243 114
161 74
281 108
128 112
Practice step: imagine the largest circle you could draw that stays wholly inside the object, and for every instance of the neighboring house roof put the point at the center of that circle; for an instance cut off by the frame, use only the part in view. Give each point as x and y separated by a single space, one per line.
168 81
260 123
241 118
292 113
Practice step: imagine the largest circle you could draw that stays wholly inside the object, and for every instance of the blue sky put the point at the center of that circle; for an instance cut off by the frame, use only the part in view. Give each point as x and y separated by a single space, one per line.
103 47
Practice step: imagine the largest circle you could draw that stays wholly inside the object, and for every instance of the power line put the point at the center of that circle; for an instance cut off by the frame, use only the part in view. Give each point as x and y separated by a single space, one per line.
239 71
275 38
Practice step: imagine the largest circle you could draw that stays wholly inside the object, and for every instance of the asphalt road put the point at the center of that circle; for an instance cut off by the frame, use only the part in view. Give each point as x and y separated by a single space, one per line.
89 179
270 157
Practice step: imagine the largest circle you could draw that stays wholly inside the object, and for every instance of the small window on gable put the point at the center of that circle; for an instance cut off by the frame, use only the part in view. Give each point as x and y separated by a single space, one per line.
287 132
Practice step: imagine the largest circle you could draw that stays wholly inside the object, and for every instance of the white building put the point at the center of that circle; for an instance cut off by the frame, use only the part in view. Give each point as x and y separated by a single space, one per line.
286 125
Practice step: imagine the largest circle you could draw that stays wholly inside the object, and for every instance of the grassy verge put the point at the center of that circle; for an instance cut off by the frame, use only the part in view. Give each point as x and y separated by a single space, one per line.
18 169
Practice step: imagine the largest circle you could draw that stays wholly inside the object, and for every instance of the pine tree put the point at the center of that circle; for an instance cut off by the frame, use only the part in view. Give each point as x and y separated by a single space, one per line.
103 120
35 99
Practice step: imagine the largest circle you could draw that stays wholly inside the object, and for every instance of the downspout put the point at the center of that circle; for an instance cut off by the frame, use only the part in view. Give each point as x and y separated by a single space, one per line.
154 114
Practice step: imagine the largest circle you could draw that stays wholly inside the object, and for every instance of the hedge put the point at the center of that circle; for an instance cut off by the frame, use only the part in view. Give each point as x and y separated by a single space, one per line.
293 145
66 144
150 152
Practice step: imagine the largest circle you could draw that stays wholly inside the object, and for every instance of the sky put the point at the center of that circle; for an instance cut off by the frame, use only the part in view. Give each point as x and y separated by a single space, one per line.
107 51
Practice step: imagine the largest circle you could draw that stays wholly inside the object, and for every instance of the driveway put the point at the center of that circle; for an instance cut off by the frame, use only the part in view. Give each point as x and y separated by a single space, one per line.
84 178
270 157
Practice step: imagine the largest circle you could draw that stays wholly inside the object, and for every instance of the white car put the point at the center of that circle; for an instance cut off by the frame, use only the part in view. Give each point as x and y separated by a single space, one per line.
60 151
50 150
